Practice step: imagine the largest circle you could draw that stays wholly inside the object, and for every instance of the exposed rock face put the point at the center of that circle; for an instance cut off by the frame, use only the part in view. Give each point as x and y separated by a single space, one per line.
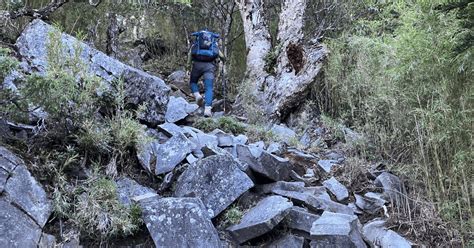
339 190
178 109
128 189
162 158
179 222
336 230
216 180
379 236
261 219
140 87
24 206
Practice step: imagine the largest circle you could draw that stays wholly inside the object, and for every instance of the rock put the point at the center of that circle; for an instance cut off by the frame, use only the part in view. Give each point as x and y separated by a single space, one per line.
300 219
28 195
378 235
393 188
128 189
370 203
305 140
191 159
283 132
264 163
162 158
287 241
3 179
309 173
223 139
355 208
171 129
16 228
47 241
275 148
216 180
336 230
327 165
332 155
179 222
281 185
140 87
178 109
351 136
339 190
261 219
241 139
180 80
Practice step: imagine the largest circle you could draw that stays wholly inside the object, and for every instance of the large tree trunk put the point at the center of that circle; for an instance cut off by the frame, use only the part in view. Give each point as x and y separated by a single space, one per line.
298 64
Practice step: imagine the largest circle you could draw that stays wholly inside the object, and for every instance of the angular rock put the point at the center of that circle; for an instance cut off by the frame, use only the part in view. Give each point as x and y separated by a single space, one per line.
393 187
300 219
378 235
275 148
287 241
16 228
336 230
332 155
283 132
47 241
223 139
370 202
179 222
216 180
191 159
180 80
128 188
264 163
339 190
261 219
171 129
281 185
178 109
241 139
140 87
162 158
3 179
26 193
327 165
8 160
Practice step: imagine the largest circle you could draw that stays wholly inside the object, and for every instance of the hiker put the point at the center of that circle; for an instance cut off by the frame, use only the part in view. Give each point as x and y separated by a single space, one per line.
203 54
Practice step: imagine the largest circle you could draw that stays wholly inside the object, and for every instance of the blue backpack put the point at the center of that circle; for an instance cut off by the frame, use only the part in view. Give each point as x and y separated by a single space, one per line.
205 46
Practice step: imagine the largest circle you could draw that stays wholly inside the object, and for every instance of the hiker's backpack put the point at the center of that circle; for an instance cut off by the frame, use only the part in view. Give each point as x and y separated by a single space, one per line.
205 46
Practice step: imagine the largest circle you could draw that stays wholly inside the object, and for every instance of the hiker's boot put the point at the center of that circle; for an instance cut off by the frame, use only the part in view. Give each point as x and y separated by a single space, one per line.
198 98
207 111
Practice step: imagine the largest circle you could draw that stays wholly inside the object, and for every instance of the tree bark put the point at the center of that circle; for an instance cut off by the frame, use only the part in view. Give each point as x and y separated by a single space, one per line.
298 62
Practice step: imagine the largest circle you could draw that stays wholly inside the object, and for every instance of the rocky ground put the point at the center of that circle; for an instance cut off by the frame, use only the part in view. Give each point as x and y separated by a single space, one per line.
217 189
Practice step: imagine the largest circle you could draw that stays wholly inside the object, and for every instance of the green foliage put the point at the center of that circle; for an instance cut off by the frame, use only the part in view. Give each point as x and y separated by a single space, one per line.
226 124
233 215
256 133
271 59
99 213
399 77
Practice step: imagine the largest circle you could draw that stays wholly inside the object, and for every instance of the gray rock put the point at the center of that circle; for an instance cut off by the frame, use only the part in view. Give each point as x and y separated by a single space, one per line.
223 139
264 163
47 241
128 188
216 180
28 195
327 165
16 228
287 241
140 87
180 80
393 188
191 159
178 109
162 158
261 219
179 222
332 155
283 132
281 185
259 144
339 190
370 202
275 148
336 230
300 219
241 139
8 160
3 179
170 129
378 235
355 208
305 140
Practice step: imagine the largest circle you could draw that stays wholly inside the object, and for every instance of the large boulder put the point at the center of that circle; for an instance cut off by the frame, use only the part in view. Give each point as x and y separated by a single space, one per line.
17 229
379 236
300 219
261 219
178 109
140 87
162 158
179 222
217 180
128 188
339 190
336 230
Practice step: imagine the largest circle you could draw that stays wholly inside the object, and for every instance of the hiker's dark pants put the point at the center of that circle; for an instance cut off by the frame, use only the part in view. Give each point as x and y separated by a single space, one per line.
205 69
